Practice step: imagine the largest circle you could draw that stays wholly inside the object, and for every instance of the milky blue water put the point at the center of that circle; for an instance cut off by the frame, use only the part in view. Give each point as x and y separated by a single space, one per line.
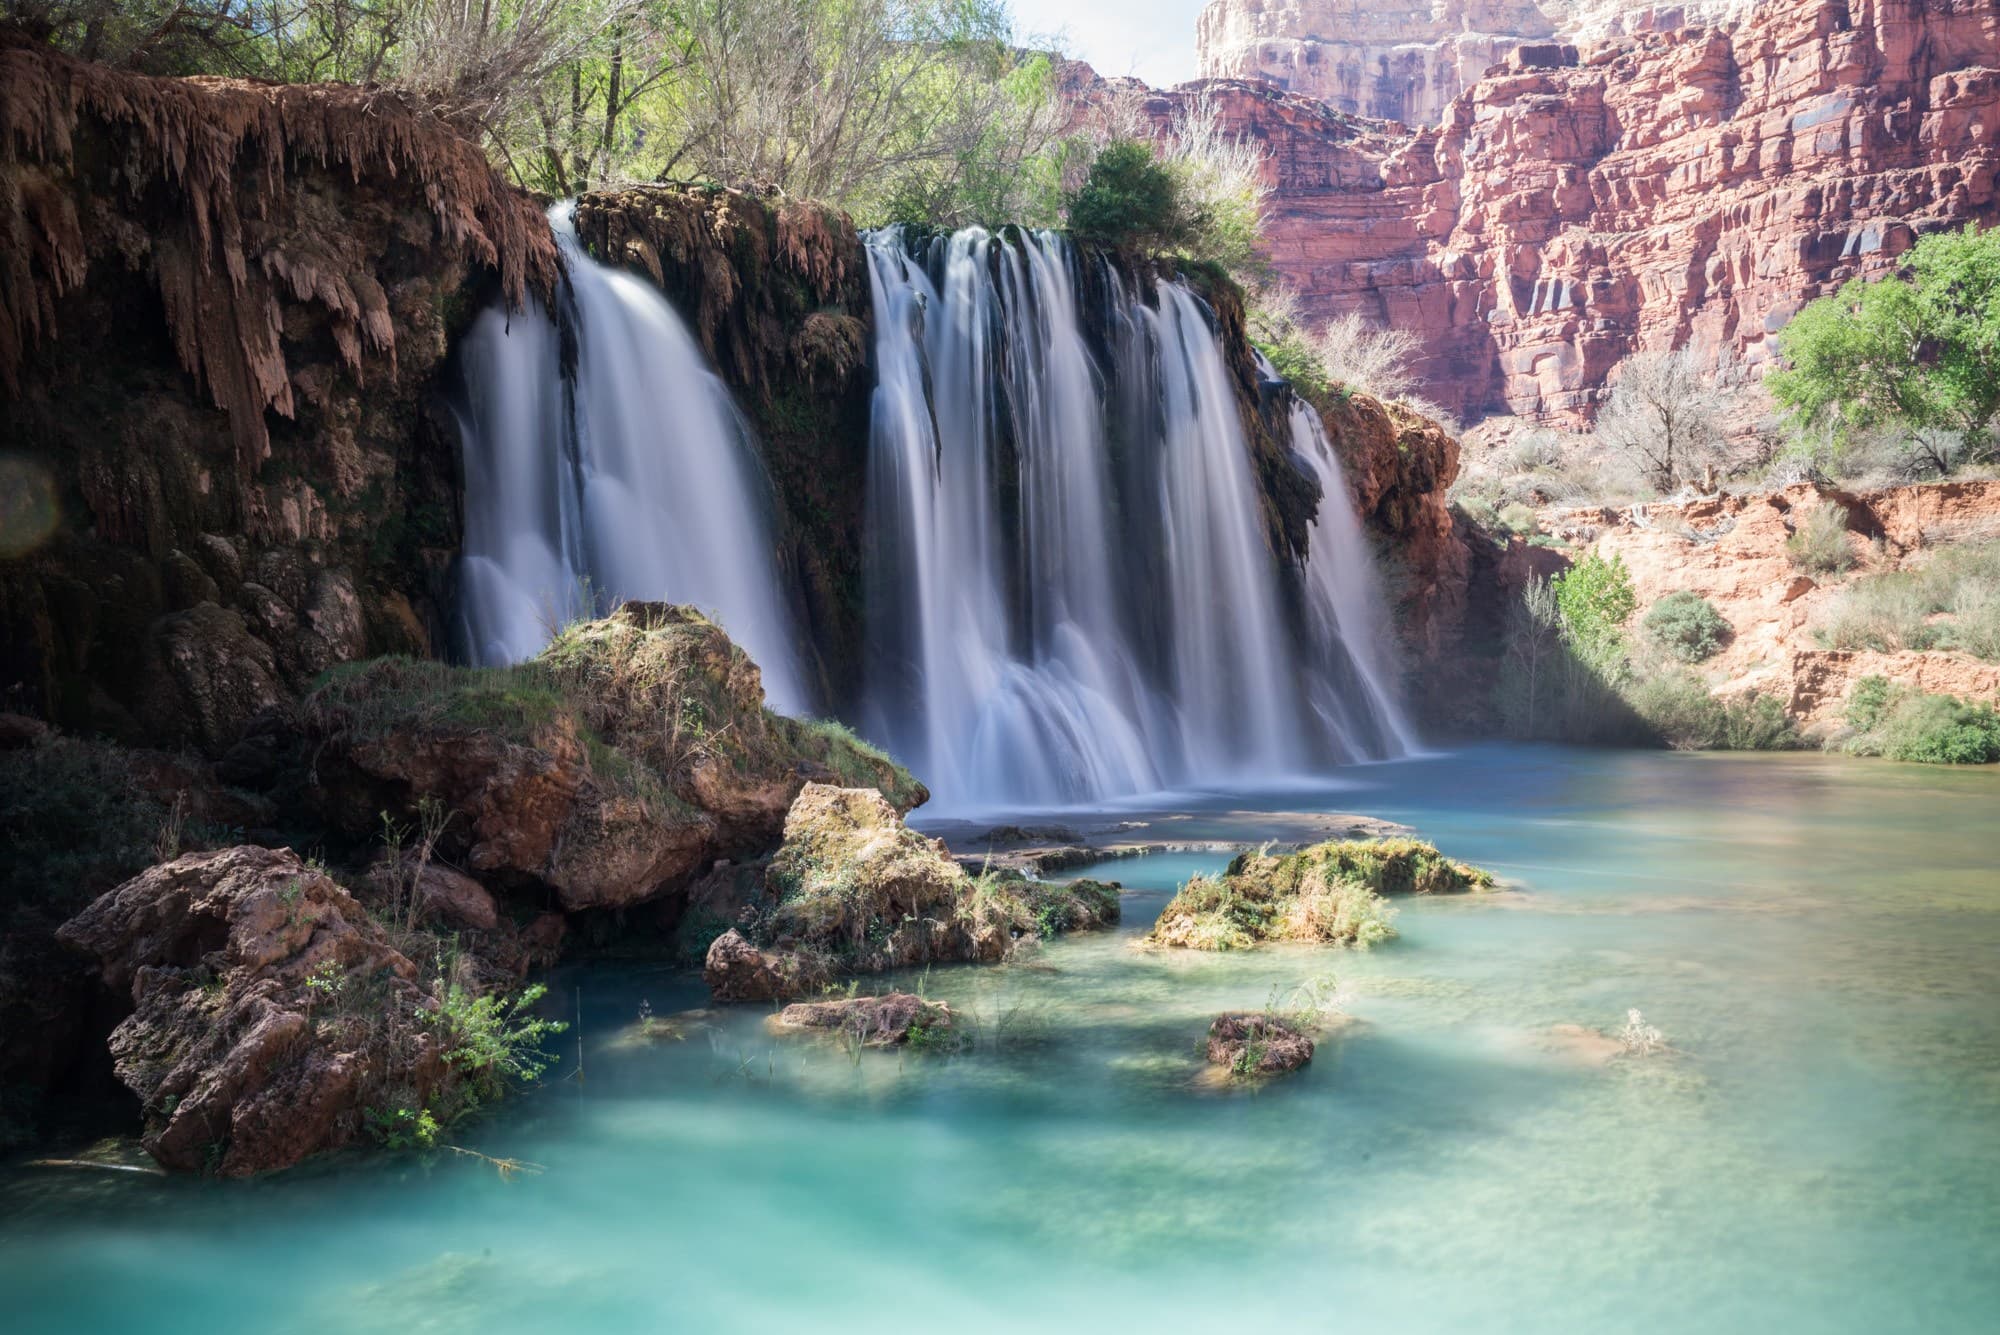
1818 938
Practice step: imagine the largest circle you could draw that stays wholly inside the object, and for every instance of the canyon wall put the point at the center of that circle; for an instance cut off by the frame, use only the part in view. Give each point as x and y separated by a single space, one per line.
1689 186
1406 60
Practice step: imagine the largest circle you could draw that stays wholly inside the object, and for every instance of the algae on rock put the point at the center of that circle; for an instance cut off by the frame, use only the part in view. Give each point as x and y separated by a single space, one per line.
1330 893
620 763
854 890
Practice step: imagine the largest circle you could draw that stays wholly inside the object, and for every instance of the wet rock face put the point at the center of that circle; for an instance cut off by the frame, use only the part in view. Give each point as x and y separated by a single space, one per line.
1691 185
265 1005
1251 1044
217 358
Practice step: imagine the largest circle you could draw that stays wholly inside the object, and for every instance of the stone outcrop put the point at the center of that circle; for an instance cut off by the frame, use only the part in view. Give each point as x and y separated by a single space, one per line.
1325 894
621 763
268 1009
853 890
1399 466
1731 551
1248 1045
1693 185
221 306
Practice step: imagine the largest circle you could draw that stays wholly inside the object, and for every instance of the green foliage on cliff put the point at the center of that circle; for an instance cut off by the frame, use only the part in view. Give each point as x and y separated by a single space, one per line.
1130 201
1595 598
1686 626
1953 602
1903 724
1918 351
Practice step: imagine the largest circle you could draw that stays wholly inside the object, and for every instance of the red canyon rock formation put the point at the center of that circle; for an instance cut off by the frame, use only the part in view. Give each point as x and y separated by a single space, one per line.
1691 186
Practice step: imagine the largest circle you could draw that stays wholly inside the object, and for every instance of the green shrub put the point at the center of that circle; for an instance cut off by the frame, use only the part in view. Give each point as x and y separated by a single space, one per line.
1953 602
1867 701
1129 200
1819 540
1687 626
1519 519
1680 711
1595 598
492 1041
1927 729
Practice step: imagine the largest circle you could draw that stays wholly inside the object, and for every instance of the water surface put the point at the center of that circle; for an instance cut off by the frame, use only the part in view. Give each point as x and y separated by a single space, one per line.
1819 938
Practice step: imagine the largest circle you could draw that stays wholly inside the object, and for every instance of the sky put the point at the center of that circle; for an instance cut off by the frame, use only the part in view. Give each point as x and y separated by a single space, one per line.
1151 39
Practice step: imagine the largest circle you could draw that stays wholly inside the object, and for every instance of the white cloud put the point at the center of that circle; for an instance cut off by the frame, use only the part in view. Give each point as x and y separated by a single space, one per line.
1150 39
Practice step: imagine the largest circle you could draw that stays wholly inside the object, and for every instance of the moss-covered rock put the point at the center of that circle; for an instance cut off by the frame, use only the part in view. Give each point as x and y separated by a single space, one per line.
617 766
854 890
1331 893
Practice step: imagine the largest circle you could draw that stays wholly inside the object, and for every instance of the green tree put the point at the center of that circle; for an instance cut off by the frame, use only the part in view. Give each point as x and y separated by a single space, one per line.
1918 351
1595 598
1129 200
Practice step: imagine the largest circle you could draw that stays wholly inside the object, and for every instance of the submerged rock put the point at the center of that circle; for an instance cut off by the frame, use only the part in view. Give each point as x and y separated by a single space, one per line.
878 1022
1331 893
1250 1044
855 890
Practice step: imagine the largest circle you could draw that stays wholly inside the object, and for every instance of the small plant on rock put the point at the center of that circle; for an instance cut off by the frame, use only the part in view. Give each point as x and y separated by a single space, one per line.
1818 544
1687 626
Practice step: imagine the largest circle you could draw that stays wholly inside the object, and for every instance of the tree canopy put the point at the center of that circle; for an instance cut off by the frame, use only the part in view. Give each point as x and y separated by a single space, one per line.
1918 351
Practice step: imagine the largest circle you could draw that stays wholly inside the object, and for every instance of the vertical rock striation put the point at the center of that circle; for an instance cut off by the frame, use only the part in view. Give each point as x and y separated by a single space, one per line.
1693 185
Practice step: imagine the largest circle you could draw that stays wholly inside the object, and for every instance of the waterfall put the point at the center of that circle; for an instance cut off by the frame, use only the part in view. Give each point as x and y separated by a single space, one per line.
632 476
1071 594
1348 622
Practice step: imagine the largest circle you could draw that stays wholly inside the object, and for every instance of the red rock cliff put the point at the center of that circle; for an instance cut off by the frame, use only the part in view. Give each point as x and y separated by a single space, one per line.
1693 186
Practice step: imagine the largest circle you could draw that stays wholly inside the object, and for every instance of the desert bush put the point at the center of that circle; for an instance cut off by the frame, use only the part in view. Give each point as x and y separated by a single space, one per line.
1682 713
1902 724
1687 626
1666 414
1819 543
1951 602
1519 519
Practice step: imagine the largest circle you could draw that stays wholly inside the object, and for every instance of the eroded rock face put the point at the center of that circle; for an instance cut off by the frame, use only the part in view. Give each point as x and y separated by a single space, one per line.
1251 1044
218 355
1692 185
1731 551
265 1009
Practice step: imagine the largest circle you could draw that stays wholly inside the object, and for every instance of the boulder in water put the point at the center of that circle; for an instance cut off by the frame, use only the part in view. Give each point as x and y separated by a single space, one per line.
269 1009
854 890
878 1022
1250 1044
617 765
1330 893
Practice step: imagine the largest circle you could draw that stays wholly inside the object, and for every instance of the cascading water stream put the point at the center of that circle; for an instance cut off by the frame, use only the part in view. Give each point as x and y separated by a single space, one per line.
631 477
1071 594
1348 622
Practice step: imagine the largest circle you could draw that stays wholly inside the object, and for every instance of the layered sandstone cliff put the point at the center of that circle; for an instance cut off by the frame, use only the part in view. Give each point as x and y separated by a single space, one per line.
1407 59
1693 186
